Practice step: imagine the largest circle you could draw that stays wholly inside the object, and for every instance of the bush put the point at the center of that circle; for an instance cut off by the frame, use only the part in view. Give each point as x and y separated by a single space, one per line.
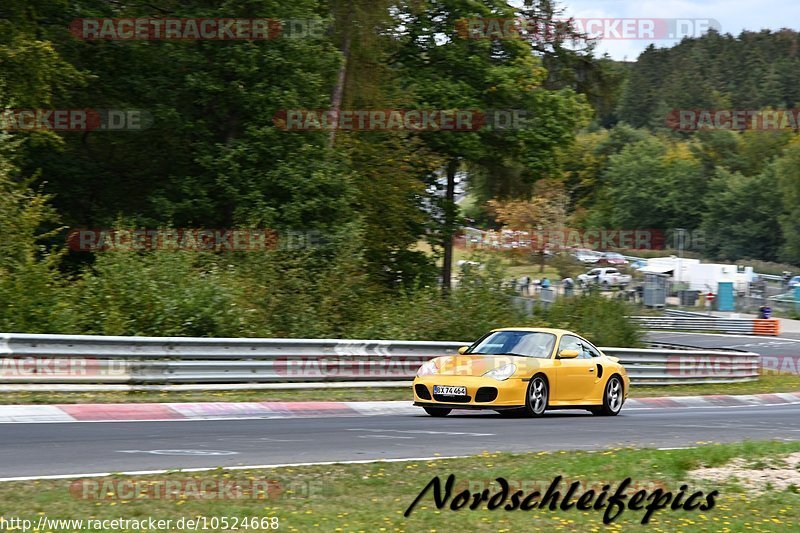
479 303
32 290
601 320
161 293
567 266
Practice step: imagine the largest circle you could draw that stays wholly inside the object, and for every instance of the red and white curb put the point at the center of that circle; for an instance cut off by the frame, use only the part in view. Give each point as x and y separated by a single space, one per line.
116 412
112 412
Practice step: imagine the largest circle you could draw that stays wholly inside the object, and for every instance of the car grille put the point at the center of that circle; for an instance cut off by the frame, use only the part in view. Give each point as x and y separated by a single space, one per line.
422 391
486 394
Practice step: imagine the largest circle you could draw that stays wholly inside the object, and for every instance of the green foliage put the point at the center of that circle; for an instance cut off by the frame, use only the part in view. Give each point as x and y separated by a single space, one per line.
156 294
566 265
479 303
655 184
216 157
754 70
601 320
31 287
787 174
753 202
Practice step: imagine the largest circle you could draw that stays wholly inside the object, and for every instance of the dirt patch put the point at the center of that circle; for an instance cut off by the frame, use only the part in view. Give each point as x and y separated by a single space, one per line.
755 475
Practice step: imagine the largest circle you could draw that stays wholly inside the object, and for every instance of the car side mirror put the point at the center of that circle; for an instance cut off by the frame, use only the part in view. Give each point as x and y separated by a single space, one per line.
463 349
568 354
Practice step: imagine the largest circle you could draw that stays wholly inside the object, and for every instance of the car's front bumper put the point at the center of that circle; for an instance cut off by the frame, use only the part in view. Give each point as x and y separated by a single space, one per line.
510 393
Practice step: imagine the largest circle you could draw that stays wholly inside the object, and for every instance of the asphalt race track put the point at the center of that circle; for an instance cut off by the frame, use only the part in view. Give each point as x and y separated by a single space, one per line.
769 346
84 448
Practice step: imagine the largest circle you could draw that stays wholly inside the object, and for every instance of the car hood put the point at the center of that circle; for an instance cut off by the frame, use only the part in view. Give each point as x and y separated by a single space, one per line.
478 365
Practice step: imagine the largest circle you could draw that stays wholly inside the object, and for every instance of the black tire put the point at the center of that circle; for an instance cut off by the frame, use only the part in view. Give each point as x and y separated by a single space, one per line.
437 411
536 397
613 398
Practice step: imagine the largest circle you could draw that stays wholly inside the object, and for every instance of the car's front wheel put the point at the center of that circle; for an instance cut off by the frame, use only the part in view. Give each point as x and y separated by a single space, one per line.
612 398
437 411
537 396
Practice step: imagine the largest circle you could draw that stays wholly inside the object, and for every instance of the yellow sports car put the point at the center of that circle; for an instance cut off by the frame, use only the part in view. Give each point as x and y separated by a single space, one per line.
523 371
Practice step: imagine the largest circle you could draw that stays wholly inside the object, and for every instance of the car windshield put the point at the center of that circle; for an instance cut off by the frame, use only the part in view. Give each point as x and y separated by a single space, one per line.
614 256
522 343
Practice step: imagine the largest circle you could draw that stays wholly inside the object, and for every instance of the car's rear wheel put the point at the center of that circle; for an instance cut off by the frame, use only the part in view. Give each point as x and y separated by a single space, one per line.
437 411
537 396
612 398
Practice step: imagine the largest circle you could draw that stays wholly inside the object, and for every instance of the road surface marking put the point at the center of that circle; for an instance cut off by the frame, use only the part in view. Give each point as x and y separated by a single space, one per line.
426 432
181 452
248 467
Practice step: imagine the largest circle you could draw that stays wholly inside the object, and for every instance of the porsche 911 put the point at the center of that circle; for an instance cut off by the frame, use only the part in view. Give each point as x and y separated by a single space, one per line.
523 371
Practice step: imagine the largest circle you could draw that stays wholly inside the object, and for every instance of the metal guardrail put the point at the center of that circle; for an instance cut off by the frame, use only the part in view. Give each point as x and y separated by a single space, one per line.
157 361
681 312
744 326
686 367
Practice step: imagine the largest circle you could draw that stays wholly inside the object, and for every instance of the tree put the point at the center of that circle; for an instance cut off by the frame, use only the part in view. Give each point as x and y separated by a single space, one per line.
444 71
653 184
31 287
545 210
741 216
787 174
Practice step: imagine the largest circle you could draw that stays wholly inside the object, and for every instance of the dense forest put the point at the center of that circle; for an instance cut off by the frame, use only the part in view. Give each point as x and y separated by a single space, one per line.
211 155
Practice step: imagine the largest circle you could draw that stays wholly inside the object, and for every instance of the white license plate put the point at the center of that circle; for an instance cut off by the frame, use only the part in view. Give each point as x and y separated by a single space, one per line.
449 391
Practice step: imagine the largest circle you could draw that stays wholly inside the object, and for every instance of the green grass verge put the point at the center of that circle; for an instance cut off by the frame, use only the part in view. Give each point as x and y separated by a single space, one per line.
373 497
768 383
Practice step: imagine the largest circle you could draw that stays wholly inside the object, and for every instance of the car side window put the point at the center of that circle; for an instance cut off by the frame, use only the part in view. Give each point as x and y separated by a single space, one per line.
568 342
590 351
584 349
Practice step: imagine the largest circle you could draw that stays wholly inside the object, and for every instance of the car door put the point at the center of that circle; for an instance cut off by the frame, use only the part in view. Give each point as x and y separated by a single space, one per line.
592 354
575 378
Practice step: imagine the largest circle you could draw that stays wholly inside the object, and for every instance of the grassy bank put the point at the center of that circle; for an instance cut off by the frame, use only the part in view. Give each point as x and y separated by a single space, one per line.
374 497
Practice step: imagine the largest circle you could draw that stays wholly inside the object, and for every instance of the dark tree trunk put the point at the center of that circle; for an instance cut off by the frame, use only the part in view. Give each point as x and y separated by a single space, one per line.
341 79
449 225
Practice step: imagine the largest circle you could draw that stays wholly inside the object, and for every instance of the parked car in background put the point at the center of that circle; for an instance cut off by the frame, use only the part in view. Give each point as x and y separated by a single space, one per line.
612 258
605 277
584 255
794 282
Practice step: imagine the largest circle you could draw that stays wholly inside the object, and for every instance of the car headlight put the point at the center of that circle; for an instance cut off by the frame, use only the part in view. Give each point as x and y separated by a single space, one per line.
427 369
502 373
